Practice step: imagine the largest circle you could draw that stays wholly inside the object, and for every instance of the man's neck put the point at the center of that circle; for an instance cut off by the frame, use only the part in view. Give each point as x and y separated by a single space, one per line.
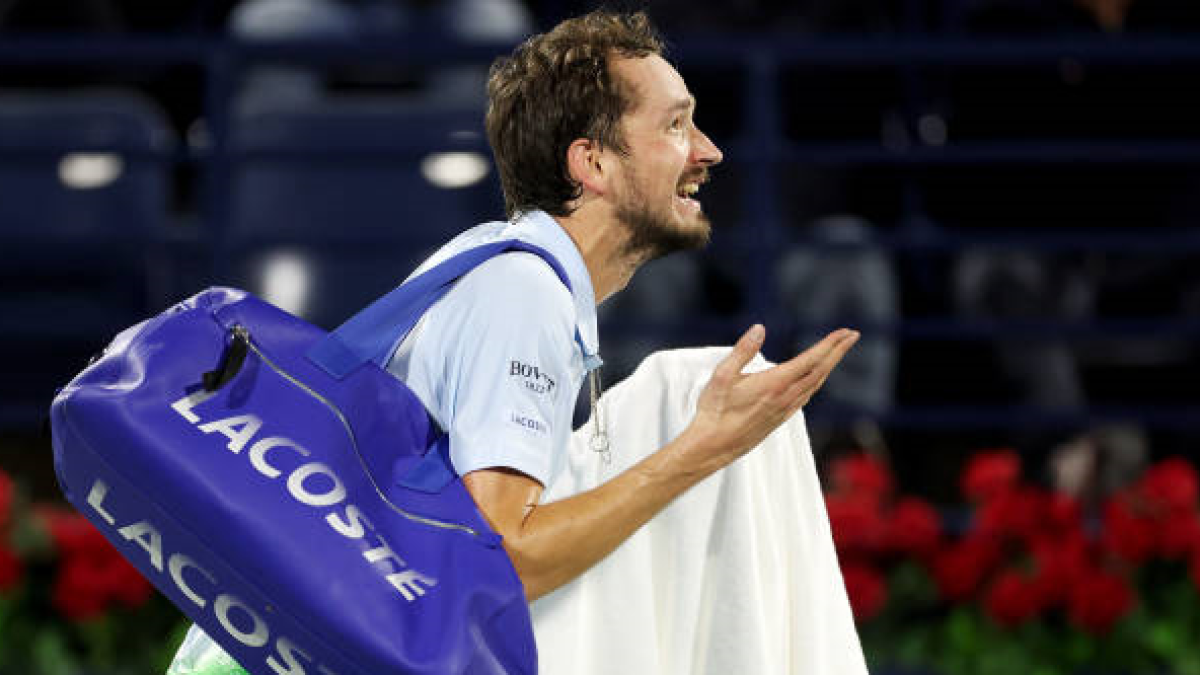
603 244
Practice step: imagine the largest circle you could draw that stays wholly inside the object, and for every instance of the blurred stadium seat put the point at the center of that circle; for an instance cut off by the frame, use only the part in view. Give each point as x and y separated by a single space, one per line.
83 198
334 204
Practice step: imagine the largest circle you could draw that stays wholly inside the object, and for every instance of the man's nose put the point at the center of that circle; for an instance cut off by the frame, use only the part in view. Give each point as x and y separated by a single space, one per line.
704 151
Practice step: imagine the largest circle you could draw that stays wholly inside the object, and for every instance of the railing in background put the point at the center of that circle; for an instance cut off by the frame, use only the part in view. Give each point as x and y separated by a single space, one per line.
755 152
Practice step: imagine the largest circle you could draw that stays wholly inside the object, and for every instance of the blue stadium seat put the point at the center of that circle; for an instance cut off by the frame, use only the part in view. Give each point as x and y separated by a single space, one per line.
82 166
83 195
343 191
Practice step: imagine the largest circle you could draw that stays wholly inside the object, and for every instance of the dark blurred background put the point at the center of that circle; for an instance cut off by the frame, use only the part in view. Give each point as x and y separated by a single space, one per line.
1002 195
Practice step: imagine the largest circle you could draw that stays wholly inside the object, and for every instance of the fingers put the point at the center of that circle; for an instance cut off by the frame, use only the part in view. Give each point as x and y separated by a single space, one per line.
828 352
803 389
834 357
745 349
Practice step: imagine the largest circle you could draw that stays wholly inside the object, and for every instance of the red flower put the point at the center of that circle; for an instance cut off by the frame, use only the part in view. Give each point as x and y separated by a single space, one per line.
87 586
79 589
857 524
990 473
1178 534
1170 486
93 575
861 475
960 568
1012 599
866 589
1017 513
1127 534
125 584
6 499
915 527
10 569
1098 601
72 534
1060 561
1063 513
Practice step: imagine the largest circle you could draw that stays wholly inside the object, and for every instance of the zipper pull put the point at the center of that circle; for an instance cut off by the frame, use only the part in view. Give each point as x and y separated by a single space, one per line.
231 360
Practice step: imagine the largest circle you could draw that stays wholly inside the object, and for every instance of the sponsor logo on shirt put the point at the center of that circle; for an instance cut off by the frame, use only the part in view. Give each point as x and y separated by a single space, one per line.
531 377
531 423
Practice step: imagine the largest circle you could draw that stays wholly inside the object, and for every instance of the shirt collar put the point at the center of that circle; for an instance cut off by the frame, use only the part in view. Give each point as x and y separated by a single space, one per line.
538 227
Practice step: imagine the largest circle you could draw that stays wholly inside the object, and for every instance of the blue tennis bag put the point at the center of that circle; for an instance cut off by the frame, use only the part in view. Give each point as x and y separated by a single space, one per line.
288 494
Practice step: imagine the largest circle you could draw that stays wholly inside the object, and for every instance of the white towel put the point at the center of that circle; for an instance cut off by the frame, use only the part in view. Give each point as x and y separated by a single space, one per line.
738 576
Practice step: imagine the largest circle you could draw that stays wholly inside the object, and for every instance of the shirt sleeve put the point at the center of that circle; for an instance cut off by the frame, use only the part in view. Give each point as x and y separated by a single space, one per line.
510 329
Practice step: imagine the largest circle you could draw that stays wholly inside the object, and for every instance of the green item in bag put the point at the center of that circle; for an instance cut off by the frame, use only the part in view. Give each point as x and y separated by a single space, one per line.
199 655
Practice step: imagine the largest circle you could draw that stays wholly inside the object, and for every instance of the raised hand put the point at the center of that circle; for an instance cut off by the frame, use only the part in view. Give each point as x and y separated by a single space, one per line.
737 410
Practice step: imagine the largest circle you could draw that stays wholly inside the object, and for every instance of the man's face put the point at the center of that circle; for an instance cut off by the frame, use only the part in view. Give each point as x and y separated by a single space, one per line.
668 160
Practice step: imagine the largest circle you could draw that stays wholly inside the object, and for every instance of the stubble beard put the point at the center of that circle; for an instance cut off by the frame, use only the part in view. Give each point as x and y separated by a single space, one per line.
654 233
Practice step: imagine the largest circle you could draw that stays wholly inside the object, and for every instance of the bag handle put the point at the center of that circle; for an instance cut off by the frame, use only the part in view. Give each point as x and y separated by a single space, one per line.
373 333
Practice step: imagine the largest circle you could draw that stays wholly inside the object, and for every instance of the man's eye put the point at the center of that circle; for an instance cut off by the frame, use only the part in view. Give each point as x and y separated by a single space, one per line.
677 123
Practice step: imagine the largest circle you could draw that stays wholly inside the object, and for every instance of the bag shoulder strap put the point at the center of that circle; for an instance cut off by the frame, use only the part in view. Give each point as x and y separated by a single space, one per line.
371 335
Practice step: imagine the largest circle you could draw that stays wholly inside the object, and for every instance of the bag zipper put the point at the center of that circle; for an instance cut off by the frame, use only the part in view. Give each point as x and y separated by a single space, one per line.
241 333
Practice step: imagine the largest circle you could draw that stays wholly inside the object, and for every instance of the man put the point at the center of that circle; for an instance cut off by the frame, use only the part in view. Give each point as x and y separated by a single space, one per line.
600 159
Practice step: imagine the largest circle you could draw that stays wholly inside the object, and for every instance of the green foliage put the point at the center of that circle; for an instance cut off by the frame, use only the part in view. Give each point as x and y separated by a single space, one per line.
1035 583
44 630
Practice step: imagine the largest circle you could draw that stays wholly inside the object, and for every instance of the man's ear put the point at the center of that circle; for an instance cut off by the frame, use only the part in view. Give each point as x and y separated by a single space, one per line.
585 162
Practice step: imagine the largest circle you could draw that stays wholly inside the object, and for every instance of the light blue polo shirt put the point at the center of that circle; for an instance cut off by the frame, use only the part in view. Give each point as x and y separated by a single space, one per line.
499 360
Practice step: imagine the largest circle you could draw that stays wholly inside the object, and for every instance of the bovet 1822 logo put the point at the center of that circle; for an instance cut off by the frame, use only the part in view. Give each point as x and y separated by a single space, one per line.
531 377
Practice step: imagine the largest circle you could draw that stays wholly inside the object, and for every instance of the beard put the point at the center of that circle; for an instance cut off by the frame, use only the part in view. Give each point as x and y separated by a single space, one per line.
656 232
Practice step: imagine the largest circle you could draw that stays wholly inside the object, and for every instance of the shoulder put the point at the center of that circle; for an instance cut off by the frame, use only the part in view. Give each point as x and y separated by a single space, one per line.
518 282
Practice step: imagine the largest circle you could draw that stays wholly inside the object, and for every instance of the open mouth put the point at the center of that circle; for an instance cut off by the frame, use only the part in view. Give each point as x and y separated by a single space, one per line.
686 193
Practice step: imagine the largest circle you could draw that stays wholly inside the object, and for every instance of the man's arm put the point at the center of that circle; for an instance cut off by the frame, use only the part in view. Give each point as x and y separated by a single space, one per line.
552 544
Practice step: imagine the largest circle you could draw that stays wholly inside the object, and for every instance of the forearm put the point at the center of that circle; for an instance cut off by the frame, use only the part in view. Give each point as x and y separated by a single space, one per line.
552 544
557 542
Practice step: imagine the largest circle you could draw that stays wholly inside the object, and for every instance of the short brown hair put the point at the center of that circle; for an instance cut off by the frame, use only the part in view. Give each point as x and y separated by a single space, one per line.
557 87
